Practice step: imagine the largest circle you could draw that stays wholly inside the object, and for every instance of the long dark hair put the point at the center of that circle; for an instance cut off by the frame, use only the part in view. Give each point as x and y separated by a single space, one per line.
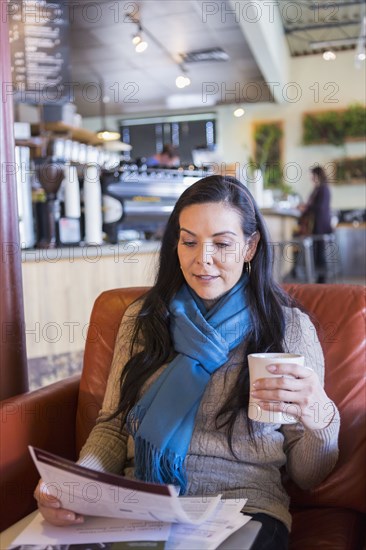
266 299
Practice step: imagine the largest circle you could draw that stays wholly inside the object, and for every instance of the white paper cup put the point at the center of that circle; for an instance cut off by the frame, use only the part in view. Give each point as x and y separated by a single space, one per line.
257 369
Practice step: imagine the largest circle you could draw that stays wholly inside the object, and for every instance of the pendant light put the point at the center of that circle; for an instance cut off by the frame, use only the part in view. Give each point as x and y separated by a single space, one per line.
239 112
182 80
138 40
329 55
105 134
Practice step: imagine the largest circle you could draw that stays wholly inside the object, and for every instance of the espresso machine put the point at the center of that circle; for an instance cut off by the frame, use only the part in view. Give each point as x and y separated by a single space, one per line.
140 198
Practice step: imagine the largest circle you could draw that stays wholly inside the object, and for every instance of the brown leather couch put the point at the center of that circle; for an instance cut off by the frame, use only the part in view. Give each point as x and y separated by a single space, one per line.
59 417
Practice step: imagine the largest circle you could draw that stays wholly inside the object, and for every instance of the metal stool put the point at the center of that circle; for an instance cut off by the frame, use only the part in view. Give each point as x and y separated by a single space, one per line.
330 270
299 256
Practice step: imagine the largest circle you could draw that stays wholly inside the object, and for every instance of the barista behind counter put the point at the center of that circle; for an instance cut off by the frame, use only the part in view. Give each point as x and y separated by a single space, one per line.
169 157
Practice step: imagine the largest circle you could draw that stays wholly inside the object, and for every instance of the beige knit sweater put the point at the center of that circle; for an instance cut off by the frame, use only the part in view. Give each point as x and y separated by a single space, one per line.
309 456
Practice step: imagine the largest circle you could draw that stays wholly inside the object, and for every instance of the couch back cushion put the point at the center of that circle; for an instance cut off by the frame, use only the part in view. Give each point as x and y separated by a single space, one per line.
105 319
338 314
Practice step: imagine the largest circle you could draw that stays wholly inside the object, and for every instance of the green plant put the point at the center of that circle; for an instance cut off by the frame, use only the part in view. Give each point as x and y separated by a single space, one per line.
324 127
354 120
350 170
267 157
334 127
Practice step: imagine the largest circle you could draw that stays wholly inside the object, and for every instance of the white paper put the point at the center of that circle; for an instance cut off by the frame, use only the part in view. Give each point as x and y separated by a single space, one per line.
93 493
128 510
210 534
40 532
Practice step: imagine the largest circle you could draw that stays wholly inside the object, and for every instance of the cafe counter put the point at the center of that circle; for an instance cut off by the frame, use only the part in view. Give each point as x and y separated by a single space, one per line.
61 285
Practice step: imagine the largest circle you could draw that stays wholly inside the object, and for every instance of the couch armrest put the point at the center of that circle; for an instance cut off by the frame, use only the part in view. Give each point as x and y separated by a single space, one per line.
44 418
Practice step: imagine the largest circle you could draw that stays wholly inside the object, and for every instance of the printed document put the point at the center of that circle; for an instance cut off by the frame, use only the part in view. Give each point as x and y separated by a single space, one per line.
118 509
93 493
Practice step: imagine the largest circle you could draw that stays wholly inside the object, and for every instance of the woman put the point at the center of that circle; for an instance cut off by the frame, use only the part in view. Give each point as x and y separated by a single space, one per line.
315 218
175 409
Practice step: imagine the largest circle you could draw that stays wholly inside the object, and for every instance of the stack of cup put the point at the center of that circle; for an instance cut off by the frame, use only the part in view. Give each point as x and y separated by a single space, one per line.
93 205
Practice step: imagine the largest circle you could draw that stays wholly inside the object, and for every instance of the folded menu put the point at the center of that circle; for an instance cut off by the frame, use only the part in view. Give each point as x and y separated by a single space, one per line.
93 493
120 511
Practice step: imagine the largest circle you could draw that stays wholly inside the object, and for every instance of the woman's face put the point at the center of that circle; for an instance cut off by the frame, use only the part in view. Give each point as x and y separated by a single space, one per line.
212 248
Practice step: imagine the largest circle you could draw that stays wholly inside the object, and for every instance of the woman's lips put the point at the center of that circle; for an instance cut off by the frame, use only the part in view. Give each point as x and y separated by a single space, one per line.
206 277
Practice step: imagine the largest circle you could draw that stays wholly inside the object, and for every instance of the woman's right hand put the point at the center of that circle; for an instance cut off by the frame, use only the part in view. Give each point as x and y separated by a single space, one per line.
51 510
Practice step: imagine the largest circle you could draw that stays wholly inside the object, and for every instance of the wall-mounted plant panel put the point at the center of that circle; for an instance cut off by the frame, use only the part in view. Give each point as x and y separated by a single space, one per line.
350 171
335 127
268 152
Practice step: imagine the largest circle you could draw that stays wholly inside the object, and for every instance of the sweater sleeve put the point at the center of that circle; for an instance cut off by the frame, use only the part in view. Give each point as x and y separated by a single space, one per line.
311 454
106 446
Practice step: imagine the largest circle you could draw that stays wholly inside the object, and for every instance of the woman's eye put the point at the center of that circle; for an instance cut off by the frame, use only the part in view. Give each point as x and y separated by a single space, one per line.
222 245
188 243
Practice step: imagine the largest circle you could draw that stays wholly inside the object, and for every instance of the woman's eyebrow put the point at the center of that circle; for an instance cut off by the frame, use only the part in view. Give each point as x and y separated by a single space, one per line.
187 231
226 232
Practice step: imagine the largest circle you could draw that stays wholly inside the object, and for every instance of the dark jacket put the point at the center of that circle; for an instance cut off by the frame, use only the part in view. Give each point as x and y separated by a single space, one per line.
317 211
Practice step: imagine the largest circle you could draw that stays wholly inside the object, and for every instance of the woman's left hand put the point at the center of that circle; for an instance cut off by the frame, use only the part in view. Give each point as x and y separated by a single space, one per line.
297 392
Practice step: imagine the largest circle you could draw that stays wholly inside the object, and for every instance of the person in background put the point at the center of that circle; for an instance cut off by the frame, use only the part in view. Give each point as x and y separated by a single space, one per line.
168 157
315 218
176 402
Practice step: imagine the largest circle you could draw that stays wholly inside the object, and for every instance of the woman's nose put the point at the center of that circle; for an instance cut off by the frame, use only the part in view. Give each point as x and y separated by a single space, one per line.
205 253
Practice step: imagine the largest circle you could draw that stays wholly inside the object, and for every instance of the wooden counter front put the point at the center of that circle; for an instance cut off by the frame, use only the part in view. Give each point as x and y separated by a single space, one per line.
280 224
60 287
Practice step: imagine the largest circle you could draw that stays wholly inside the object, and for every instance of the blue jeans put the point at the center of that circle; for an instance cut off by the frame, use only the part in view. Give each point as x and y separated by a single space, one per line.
273 534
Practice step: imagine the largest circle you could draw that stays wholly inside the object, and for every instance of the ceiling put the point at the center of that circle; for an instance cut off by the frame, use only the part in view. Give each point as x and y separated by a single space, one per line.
102 50
312 26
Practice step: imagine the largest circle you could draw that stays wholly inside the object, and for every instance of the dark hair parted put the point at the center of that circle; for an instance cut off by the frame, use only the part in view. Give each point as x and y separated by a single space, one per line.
266 299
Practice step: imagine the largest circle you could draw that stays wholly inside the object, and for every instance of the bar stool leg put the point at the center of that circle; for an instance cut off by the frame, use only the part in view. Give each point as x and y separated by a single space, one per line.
309 259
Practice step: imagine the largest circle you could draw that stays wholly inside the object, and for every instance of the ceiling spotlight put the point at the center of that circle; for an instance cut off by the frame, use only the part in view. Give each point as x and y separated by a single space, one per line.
136 39
239 112
141 46
182 81
361 42
329 55
188 80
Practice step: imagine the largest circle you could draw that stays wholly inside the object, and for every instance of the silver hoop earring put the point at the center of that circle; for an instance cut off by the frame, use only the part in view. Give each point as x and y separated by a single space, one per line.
248 268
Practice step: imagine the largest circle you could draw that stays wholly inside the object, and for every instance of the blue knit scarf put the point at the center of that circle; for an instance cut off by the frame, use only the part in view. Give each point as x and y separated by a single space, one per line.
162 421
